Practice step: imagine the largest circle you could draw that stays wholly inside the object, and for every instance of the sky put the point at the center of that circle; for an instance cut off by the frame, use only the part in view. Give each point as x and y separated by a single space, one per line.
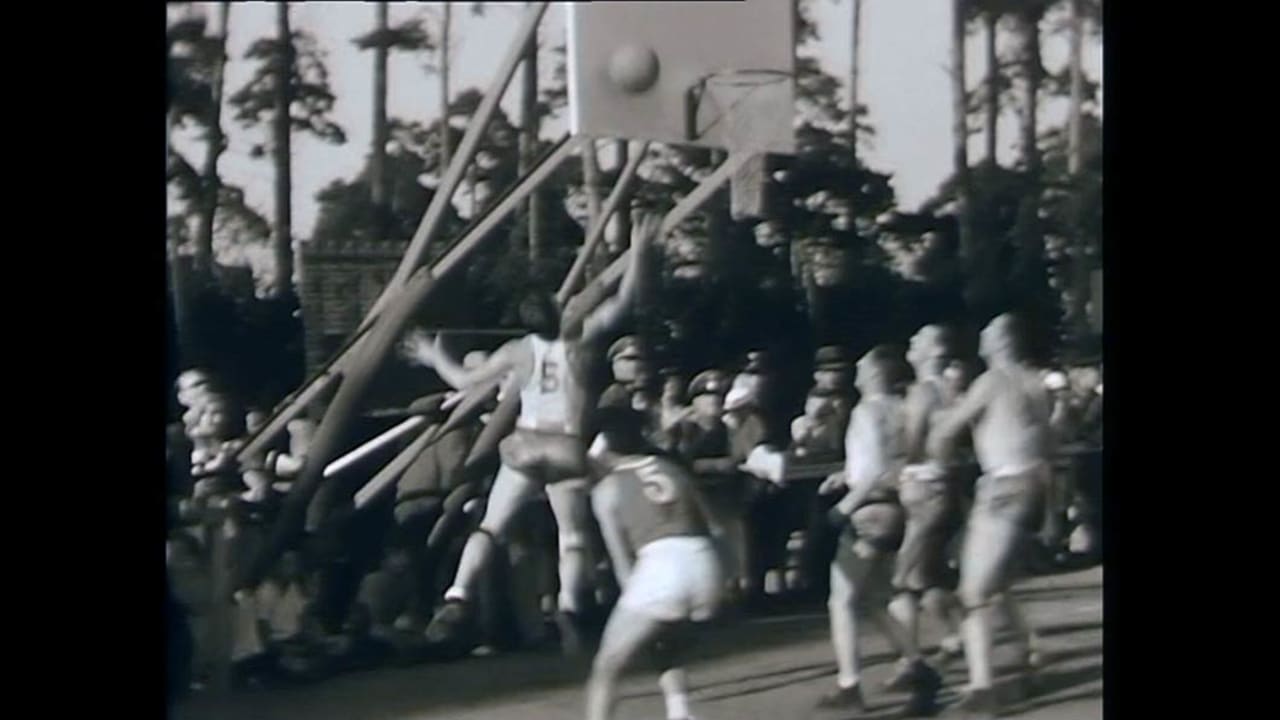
903 81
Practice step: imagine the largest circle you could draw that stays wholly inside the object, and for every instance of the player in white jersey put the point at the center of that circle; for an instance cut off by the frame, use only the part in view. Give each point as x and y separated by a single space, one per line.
927 492
875 453
1008 410
659 535
546 449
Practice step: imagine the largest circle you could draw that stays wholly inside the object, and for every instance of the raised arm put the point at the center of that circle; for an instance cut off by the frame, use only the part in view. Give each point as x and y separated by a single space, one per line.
950 423
430 352
606 317
604 500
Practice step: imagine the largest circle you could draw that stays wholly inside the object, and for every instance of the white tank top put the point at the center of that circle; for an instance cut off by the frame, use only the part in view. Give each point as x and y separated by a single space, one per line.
544 399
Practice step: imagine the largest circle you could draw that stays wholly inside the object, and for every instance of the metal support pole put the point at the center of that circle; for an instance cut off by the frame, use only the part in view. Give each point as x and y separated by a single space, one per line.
599 288
369 358
596 232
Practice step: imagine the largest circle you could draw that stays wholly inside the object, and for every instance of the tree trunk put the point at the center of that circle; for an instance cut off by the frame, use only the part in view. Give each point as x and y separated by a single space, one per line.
529 143
591 186
446 152
855 46
960 125
177 275
209 181
1077 310
378 156
282 247
623 213
992 20
1031 76
1077 89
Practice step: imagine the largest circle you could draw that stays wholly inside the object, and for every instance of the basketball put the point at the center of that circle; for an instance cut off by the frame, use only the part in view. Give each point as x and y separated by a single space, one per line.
633 68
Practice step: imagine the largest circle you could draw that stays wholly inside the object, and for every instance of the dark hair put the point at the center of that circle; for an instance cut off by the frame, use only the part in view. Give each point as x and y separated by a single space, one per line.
948 341
623 428
540 314
889 362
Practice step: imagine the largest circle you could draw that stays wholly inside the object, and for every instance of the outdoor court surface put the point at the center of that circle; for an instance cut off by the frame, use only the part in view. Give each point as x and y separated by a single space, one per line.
773 667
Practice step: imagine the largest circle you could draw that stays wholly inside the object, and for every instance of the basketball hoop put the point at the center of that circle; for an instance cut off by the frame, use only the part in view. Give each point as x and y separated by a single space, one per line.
742 110
738 106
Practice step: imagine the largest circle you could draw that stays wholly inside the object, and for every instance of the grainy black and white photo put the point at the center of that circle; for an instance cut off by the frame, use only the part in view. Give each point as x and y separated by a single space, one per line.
625 360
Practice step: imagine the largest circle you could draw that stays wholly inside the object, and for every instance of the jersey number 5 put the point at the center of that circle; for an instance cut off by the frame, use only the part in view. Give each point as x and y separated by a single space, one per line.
549 379
657 485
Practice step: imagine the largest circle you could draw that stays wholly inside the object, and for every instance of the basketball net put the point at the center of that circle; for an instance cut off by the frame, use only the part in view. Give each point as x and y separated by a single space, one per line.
742 100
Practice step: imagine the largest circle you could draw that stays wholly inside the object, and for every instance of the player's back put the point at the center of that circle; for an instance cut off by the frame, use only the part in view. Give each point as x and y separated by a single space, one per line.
550 399
656 499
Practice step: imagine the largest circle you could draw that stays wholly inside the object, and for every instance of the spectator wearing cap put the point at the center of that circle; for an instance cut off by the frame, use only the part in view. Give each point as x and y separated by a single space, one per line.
627 361
177 451
672 408
190 591
257 479
1064 422
645 398
193 386
768 505
387 595
818 433
703 439
833 370
1091 418
420 496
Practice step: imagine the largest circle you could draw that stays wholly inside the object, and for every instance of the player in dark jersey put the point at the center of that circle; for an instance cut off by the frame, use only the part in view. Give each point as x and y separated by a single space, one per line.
657 531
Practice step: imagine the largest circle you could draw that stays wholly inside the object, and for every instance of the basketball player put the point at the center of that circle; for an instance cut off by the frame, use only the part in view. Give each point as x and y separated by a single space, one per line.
929 498
549 366
873 521
1008 410
659 538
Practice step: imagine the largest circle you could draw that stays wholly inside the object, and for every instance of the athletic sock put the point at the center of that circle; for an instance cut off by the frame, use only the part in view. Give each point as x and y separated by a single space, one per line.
455 593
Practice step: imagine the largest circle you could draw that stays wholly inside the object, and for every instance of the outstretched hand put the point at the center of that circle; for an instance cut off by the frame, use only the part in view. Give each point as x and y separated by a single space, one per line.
646 231
420 347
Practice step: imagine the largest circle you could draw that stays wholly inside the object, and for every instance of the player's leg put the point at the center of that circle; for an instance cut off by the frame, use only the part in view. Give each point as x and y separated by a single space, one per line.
668 655
571 504
627 633
903 609
907 563
942 604
989 547
923 565
842 610
604 498
1028 640
511 489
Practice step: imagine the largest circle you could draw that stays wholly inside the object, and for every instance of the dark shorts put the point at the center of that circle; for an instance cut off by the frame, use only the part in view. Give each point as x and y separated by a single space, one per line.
880 524
932 518
547 457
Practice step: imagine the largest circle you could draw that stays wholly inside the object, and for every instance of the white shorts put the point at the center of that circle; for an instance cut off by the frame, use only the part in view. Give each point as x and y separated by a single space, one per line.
675 579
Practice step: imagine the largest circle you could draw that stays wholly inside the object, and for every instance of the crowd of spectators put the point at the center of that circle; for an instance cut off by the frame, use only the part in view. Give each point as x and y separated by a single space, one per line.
287 629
